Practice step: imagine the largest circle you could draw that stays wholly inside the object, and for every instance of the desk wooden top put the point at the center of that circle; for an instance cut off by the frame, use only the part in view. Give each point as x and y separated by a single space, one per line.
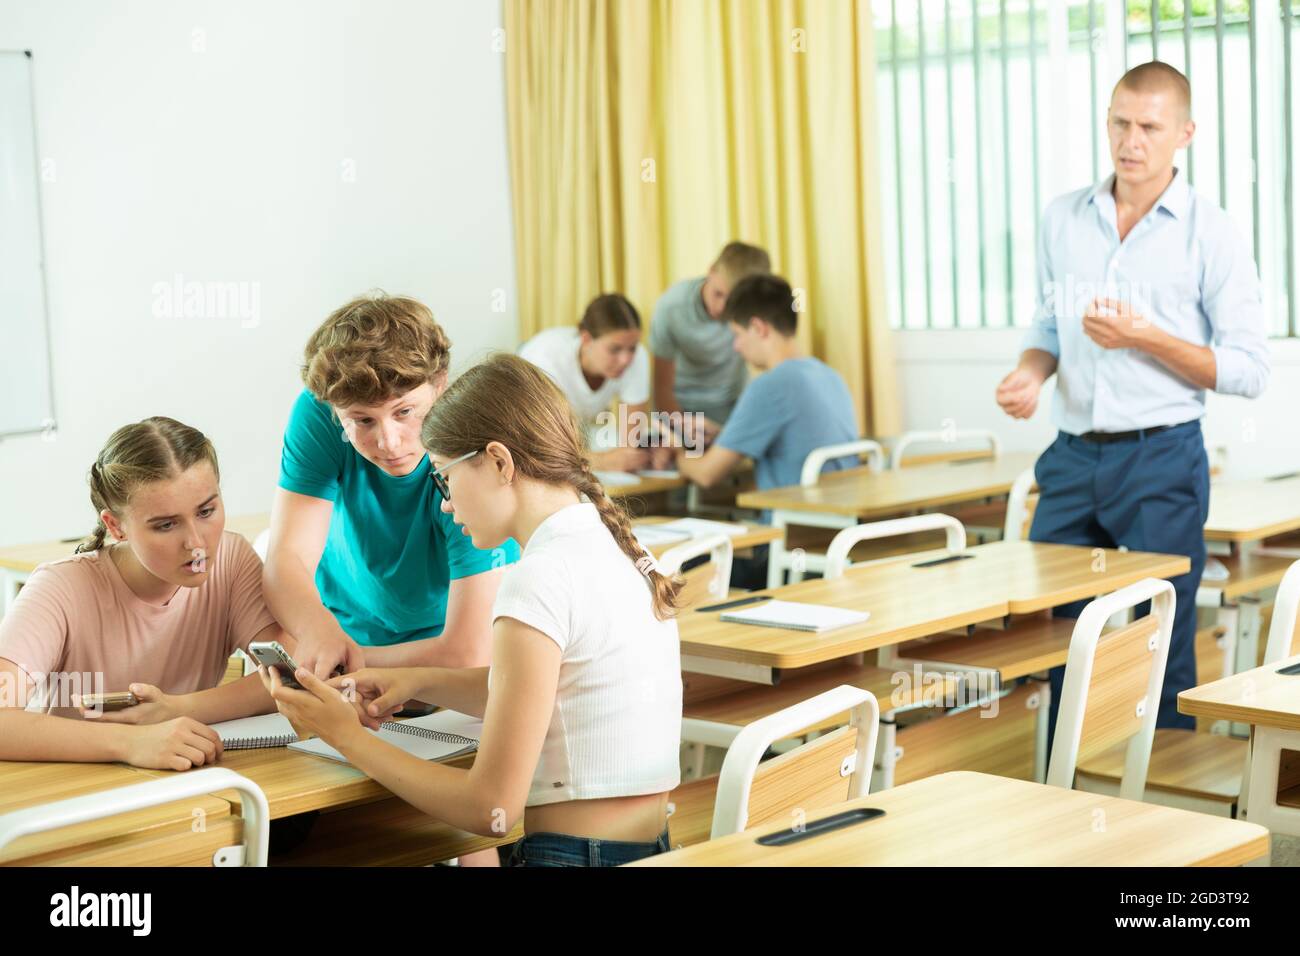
1249 573
26 558
24 785
754 534
1259 696
1250 510
645 486
296 782
862 493
906 602
975 819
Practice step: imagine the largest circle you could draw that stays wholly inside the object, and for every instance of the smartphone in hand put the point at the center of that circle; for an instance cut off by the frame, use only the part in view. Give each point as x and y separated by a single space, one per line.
271 654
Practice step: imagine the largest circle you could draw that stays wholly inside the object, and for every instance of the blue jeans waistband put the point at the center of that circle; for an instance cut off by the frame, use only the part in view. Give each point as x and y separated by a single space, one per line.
562 849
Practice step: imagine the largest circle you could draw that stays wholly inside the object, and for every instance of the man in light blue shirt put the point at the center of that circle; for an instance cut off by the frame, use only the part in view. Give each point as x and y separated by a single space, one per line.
1148 297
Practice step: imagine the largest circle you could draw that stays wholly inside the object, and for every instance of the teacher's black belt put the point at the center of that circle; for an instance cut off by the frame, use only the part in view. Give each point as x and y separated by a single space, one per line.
1105 438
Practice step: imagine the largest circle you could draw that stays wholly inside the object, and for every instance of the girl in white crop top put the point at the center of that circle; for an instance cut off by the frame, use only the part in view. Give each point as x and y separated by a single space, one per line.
582 706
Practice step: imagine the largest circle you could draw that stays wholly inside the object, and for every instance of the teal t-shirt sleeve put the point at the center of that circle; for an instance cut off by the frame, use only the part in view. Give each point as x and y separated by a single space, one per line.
661 332
463 559
757 419
312 459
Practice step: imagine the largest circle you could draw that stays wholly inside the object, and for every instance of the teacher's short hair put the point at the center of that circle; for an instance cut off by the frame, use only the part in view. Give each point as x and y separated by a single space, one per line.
1155 77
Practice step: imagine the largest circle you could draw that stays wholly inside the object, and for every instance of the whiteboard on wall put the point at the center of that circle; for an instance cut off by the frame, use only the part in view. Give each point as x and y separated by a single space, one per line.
26 379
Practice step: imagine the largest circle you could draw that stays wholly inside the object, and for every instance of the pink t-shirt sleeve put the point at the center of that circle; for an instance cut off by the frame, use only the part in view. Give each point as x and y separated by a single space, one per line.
249 615
34 634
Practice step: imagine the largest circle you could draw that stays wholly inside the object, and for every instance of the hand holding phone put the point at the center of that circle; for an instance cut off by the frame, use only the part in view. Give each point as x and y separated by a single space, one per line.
107 703
270 654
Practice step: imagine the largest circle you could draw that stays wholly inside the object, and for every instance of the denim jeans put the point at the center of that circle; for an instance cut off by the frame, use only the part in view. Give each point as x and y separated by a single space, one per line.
1147 494
560 849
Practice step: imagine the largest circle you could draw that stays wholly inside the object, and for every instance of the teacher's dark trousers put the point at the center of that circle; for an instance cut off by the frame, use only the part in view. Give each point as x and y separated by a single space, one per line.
1146 493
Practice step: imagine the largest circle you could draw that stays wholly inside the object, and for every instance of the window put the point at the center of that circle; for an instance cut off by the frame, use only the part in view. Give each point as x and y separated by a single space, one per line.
989 108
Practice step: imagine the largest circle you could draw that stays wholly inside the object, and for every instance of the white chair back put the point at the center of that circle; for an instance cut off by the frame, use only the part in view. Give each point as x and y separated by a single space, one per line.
255 812
789 779
717 546
948 438
837 555
818 457
1112 685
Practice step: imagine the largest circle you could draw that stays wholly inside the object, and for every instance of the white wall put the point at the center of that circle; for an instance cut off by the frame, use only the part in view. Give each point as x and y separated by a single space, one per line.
953 375
310 150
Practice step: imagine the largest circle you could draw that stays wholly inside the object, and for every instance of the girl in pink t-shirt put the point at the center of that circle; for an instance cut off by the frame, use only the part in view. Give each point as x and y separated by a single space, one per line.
158 613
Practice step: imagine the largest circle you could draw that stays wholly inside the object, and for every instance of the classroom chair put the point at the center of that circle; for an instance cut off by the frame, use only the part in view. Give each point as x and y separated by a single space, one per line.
1021 501
1206 772
715 710
704 582
1111 692
255 812
983 521
1003 656
837 555
948 439
830 769
1283 642
803 551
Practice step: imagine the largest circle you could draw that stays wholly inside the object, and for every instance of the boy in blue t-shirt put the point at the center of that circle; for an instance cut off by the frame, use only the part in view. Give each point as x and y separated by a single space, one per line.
796 405
361 553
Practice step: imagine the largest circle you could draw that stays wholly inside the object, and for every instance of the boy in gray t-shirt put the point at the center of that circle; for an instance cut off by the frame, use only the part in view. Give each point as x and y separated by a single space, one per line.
796 405
696 369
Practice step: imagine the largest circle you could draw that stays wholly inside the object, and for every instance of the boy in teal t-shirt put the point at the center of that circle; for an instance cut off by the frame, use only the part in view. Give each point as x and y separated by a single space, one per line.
391 553
363 568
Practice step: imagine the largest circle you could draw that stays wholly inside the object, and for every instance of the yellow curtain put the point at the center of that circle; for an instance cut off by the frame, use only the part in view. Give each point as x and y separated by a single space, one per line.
645 134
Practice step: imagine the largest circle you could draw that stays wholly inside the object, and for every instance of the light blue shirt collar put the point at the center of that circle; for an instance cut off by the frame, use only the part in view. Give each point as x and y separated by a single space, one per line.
1173 200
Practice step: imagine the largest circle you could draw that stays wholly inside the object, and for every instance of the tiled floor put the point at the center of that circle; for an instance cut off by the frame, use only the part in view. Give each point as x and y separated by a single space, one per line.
1286 851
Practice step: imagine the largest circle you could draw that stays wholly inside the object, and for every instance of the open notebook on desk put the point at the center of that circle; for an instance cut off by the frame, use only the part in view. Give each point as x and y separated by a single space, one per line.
796 616
438 736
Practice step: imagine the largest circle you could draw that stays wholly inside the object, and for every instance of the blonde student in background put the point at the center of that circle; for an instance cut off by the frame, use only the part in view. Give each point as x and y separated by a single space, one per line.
157 612
696 371
582 705
595 365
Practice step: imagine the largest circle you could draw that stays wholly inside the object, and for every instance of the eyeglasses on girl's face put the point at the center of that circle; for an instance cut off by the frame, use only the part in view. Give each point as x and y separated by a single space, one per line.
439 475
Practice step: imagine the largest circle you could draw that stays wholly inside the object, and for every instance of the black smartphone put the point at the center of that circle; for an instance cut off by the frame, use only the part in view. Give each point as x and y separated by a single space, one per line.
740 603
825 825
951 557
1290 670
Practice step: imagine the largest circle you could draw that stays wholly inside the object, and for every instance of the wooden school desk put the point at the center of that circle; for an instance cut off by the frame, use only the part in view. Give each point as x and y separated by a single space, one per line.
1271 702
185 833
644 486
1247 511
1236 604
1242 514
974 819
19 561
753 535
907 602
844 499
297 783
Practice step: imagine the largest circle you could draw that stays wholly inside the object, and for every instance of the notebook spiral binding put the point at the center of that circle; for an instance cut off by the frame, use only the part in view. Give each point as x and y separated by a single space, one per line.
256 743
427 734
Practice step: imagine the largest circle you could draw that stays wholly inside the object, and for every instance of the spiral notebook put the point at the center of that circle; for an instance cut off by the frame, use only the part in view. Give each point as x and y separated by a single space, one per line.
251 733
437 736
